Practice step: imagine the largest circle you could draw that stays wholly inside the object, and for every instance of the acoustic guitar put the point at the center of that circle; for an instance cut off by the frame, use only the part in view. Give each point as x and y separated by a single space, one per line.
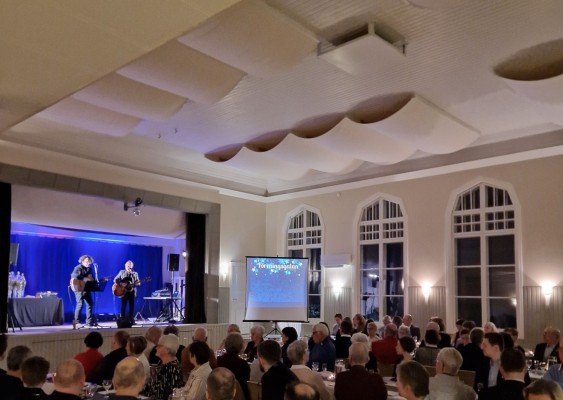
126 285
78 285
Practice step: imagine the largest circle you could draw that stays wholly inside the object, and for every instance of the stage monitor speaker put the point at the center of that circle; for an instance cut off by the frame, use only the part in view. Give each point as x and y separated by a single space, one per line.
173 262
124 322
14 248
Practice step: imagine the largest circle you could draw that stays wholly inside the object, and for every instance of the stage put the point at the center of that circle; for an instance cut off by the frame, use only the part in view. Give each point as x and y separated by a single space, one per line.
58 343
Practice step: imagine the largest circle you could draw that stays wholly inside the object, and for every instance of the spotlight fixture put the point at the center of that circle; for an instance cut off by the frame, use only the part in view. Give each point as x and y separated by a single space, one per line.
135 206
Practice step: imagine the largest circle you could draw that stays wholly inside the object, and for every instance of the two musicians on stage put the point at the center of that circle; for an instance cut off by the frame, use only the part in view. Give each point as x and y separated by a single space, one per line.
125 287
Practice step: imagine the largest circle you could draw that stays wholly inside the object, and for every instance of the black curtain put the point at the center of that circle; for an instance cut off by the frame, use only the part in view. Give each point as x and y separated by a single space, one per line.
195 275
5 227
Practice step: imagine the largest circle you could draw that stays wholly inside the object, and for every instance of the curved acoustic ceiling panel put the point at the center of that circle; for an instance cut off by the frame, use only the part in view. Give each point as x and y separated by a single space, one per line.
252 37
536 72
115 92
77 113
412 125
186 72
308 153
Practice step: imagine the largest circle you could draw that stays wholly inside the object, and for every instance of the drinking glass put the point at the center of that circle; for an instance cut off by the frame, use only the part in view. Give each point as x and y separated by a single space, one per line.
89 390
106 383
315 366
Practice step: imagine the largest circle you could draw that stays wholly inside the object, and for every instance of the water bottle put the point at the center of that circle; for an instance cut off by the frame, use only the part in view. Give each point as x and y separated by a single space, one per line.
11 284
23 283
17 285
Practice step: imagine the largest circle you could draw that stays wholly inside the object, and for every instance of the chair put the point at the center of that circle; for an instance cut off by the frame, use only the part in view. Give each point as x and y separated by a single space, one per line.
467 377
385 369
239 394
255 390
431 370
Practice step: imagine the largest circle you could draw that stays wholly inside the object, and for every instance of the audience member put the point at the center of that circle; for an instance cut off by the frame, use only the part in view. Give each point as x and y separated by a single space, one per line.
427 354
357 383
231 328
11 383
386 321
549 347
457 336
199 335
362 338
405 348
359 324
469 324
276 374
403 331
446 384
221 384
493 345
473 357
543 390
69 380
256 337
384 350
34 372
135 348
513 332
168 375
343 341
489 327
173 329
91 358
301 391
337 322
412 380
3 348
397 320
372 332
289 335
513 370
323 351
152 335
555 373
445 339
128 379
413 329
297 353
463 339
197 382
234 344
118 352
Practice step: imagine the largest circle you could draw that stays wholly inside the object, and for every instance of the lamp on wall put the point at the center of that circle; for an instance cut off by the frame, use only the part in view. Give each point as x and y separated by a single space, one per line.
224 270
337 288
547 291
426 291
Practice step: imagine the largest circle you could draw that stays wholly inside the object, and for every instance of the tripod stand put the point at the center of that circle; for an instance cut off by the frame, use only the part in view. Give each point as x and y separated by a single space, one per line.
275 329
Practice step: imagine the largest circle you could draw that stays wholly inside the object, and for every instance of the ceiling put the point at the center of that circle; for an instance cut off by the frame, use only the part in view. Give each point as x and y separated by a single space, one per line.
273 97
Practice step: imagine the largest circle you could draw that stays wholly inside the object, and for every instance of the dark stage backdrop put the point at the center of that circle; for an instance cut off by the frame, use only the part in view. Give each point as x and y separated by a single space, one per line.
47 263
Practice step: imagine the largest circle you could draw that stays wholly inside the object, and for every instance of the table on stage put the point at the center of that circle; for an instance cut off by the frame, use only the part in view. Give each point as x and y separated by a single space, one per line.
175 303
33 311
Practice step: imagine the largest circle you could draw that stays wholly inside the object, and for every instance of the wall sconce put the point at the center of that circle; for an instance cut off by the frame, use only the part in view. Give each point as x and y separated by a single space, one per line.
547 291
224 270
337 289
426 291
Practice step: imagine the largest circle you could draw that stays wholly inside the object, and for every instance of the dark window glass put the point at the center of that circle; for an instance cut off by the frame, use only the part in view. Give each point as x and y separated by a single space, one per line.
370 307
502 282
315 283
370 256
501 250
394 306
394 282
394 254
468 251
468 281
503 312
470 309
314 306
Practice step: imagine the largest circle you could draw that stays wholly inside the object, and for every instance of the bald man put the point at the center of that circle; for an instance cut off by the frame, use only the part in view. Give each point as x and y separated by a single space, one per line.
220 385
128 378
69 380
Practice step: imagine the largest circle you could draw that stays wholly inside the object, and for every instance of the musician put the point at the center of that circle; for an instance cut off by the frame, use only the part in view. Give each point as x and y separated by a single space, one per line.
128 280
83 273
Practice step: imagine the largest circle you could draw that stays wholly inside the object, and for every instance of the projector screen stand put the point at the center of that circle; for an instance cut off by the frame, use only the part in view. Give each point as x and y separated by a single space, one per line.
275 329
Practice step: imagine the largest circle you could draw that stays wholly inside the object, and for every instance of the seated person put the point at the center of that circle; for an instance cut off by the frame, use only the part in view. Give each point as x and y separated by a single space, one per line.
91 358
300 391
543 390
446 384
69 380
34 374
554 373
412 381
362 338
343 341
107 366
323 352
234 344
357 383
513 370
11 383
549 347
168 375
128 378
428 354
197 382
221 384
384 350
298 354
276 374
289 335
256 337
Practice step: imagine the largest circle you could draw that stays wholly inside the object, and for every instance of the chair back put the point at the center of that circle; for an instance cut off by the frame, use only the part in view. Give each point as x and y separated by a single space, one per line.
385 369
431 370
239 394
255 390
467 377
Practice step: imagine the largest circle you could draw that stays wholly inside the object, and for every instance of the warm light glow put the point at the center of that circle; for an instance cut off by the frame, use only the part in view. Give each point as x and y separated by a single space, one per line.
547 290
224 269
337 288
426 291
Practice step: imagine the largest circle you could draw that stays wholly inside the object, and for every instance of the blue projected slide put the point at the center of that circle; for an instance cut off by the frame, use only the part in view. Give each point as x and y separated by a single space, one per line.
276 289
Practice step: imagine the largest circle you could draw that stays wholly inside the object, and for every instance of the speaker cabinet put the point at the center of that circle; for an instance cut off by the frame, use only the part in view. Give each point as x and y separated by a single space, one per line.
173 262
124 322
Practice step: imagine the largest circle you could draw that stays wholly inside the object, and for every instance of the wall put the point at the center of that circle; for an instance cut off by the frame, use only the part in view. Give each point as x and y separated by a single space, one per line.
539 191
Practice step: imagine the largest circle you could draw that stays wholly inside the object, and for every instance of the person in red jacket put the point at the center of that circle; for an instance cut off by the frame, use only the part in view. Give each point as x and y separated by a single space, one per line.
384 350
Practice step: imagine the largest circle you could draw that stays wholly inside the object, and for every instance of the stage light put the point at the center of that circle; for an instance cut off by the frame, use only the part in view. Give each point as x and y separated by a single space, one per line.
135 206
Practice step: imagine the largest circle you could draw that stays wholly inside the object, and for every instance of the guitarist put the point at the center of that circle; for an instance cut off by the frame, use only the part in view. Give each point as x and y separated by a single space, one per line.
83 272
128 280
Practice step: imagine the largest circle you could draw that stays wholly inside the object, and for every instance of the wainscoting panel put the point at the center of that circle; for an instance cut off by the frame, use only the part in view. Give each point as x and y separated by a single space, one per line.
421 310
337 304
538 314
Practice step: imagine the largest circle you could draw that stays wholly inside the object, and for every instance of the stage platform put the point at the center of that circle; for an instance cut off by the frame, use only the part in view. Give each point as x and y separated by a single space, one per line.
58 343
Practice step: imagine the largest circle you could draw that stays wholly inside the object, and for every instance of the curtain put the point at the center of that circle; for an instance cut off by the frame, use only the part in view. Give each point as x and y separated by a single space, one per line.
47 263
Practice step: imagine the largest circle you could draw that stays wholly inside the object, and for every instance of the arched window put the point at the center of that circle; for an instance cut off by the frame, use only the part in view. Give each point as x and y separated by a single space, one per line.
304 239
484 256
381 238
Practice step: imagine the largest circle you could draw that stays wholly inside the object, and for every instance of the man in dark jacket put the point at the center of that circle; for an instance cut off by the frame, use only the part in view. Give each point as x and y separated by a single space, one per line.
276 374
107 366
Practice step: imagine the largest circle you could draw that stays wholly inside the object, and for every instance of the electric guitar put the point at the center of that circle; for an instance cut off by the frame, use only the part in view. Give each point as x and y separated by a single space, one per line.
78 285
126 285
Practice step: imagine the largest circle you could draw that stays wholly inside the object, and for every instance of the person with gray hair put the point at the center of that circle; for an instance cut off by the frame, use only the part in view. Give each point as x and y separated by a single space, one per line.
363 338
543 390
11 383
384 350
168 375
298 355
234 343
256 337
446 384
323 352
412 380
301 391
68 380
129 377
220 385
357 383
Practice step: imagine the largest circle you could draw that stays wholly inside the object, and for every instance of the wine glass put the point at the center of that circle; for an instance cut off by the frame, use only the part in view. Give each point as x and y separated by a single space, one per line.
90 389
106 383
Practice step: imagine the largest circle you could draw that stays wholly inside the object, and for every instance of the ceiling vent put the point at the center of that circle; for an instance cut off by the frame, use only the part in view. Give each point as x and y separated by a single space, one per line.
364 52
